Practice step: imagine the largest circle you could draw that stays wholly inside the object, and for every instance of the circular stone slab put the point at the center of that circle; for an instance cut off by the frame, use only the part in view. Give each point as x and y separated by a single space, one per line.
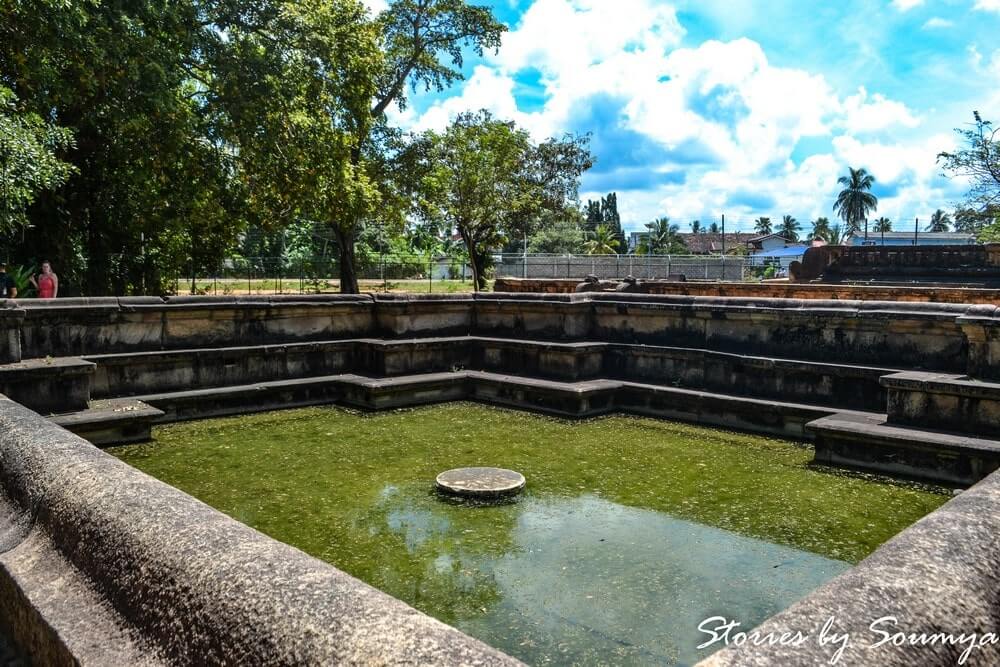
481 482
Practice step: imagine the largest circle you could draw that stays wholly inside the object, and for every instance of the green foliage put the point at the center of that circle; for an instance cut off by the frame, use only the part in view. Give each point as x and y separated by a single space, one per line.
563 237
883 224
820 229
940 222
21 275
28 160
604 211
762 226
978 162
661 238
485 178
602 241
855 201
790 228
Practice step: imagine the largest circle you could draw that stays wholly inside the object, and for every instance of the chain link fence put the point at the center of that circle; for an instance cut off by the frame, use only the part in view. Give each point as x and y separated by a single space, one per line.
276 275
647 267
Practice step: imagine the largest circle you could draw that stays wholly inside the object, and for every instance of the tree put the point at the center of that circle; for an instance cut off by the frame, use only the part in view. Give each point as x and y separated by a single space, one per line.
605 212
424 42
838 235
855 201
883 224
487 179
661 238
972 221
713 228
762 226
940 222
696 227
602 241
564 237
789 228
28 161
820 230
979 162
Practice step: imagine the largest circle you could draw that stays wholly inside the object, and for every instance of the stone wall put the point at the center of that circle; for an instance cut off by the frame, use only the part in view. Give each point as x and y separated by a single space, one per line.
101 564
968 264
776 290
926 336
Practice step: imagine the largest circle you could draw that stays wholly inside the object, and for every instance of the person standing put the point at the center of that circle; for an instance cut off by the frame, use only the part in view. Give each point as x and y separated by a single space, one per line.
8 288
47 283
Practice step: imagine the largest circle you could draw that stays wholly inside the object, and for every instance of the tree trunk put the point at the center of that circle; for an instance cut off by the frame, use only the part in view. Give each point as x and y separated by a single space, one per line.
348 275
470 246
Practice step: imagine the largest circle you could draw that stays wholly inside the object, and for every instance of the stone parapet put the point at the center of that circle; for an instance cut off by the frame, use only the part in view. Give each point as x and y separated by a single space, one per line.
104 565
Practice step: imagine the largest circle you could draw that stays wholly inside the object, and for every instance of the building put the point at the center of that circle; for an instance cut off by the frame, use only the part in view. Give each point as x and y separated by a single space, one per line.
704 243
912 238
774 249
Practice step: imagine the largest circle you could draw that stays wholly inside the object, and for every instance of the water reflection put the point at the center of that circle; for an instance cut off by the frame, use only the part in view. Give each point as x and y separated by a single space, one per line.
585 580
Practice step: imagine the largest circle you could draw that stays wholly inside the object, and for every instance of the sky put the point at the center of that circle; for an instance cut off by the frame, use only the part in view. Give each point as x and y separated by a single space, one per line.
708 107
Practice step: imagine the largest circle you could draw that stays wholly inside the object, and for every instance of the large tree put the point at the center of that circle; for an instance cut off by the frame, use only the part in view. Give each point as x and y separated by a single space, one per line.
487 179
979 162
424 43
28 161
855 201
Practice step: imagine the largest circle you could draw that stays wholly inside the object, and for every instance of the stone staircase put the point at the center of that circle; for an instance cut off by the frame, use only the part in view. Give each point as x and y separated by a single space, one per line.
137 363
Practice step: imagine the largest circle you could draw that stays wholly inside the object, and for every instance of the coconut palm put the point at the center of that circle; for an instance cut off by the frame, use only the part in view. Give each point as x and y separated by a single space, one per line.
820 230
837 235
855 201
602 241
696 227
789 228
661 238
940 222
883 224
713 228
762 226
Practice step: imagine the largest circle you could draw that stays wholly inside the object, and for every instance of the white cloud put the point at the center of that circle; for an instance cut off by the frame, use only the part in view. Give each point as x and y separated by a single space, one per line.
936 22
721 114
987 5
375 6
878 113
907 5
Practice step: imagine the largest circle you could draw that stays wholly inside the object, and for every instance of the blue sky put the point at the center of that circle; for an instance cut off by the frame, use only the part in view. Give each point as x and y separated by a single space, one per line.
745 108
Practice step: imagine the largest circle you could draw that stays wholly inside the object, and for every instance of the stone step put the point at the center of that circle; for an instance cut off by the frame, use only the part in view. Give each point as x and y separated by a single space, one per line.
838 385
115 421
870 442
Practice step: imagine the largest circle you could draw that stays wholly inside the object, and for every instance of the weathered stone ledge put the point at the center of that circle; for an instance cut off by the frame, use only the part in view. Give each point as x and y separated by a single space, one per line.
104 565
938 576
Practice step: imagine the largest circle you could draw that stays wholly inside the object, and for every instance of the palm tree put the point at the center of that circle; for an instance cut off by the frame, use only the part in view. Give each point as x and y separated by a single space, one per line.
602 241
713 228
790 228
821 230
940 222
762 226
696 227
856 201
837 235
883 225
661 238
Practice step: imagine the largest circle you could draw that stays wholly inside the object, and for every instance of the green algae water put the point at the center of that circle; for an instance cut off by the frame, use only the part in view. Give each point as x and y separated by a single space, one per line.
631 531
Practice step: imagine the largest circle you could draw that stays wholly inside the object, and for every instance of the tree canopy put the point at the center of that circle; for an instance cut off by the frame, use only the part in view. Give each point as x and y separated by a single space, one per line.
979 162
485 178
855 201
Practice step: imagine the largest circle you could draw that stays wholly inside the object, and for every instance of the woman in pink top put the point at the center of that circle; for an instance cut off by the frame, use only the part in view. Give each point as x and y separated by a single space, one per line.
47 283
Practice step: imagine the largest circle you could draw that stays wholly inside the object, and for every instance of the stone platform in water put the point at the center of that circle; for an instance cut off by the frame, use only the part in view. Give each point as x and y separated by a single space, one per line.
481 482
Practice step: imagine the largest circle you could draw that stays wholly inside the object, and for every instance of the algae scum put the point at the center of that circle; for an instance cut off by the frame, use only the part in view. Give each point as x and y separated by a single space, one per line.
630 533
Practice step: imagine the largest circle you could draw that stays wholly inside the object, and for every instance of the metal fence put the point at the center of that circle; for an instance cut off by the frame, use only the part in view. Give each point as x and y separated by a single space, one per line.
692 267
276 275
